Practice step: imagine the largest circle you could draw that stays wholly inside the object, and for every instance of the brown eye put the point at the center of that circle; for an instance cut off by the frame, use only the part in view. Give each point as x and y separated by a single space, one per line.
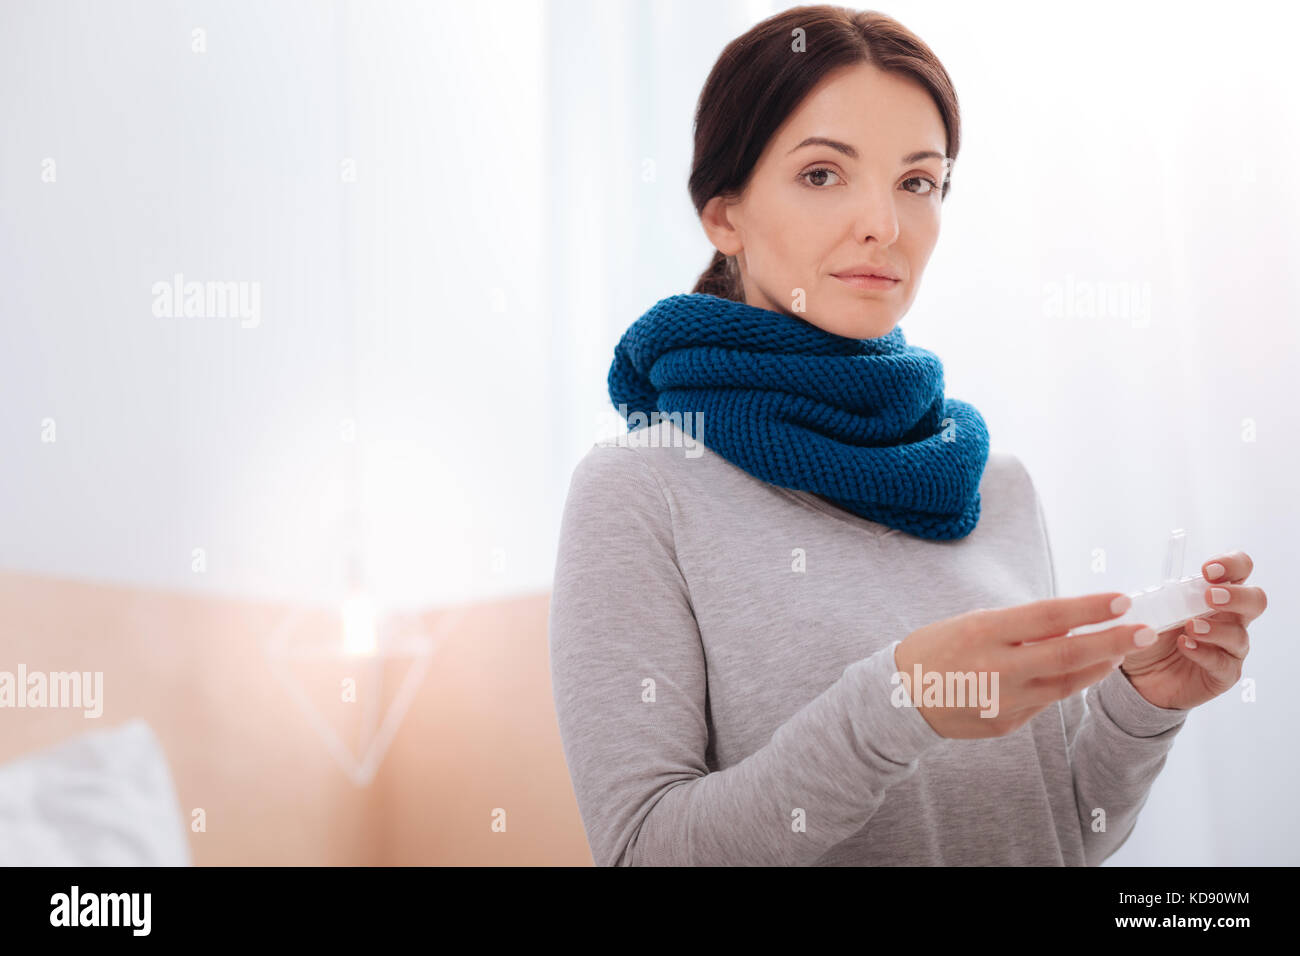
820 171
922 179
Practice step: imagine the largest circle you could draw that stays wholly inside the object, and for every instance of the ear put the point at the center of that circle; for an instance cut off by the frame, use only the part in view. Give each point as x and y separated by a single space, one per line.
717 225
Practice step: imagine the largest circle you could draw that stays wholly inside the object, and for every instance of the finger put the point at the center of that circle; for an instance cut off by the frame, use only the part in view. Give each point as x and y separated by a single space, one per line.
1221 666
1242 600
1231 568
1047 689
1220 616
1071 653
1231 637
1051 617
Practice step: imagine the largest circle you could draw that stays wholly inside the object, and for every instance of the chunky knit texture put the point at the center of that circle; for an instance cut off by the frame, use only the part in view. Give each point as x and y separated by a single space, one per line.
861 422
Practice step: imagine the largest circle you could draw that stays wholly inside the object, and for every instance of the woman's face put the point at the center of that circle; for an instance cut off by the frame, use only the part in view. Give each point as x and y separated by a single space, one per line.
814 213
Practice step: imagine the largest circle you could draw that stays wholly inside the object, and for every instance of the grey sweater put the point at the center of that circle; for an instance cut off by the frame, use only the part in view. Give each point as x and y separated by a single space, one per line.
721 652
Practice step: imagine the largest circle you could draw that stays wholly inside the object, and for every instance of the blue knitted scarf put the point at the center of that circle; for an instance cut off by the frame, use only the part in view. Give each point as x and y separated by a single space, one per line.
862 423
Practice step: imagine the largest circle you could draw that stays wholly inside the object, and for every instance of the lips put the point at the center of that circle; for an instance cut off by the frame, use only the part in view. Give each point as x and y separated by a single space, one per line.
866 274
866 281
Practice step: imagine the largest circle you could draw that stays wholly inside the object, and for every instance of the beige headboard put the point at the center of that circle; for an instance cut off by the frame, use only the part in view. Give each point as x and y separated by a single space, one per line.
480 733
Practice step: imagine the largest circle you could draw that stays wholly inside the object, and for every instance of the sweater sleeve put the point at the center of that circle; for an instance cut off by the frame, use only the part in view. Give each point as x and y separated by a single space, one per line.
629 678
1117 742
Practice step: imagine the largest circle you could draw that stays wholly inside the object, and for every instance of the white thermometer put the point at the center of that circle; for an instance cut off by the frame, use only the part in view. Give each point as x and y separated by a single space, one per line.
1167 605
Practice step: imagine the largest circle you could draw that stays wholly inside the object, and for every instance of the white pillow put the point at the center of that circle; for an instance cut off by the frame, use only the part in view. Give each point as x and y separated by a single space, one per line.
104 798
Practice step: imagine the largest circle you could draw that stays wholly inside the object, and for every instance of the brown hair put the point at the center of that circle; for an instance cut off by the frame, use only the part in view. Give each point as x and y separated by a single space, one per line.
756 84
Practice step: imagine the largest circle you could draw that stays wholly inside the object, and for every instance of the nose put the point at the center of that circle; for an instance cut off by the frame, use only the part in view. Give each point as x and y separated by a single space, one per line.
876 216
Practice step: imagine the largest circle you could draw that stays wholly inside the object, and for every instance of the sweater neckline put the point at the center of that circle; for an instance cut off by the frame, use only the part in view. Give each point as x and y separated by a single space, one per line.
818 503
806 498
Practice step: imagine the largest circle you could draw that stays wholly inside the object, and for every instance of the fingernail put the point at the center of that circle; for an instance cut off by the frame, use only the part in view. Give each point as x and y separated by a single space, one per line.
1213 572
1190 643
1219 595
1199 626
1144 637
1120 604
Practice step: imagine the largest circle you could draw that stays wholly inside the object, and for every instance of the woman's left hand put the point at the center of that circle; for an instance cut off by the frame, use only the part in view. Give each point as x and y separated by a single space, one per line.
1184 668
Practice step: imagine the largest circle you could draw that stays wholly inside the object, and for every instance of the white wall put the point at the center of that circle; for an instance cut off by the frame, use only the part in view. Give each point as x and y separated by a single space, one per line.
519 197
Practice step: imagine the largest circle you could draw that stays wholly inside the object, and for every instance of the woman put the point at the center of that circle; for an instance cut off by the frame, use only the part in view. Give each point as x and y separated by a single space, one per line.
800 523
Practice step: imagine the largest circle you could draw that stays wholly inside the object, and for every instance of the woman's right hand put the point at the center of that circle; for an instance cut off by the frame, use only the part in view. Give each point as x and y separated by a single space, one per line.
1037 663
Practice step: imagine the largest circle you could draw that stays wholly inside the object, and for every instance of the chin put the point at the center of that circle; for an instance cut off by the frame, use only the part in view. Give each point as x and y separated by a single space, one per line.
856 325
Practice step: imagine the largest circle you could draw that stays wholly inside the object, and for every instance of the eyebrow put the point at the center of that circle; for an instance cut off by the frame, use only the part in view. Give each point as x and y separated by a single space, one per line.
852 153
